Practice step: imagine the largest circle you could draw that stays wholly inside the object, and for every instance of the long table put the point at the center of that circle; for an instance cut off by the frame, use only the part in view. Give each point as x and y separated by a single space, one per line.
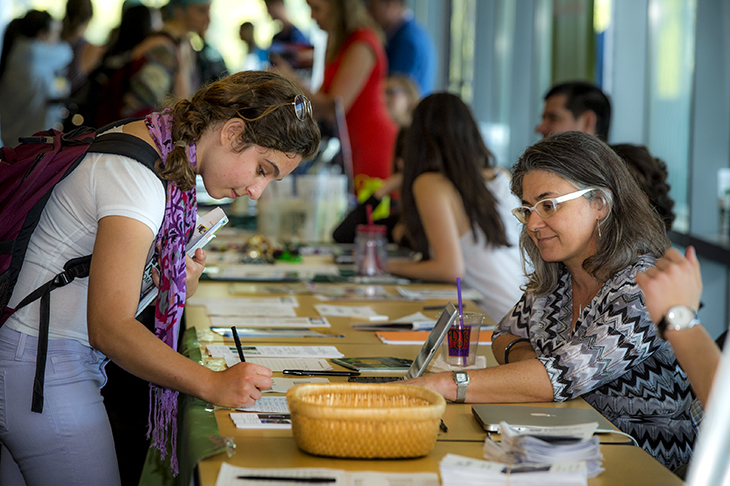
624 464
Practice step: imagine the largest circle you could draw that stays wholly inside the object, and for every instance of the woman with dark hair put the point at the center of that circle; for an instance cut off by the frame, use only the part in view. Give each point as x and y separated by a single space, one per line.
456 208
31 67
651 174
355 70
86 56
239 134
109 93
581 329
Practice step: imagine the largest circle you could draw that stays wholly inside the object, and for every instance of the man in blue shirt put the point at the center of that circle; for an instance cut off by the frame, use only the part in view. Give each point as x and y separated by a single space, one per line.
289 33
409 47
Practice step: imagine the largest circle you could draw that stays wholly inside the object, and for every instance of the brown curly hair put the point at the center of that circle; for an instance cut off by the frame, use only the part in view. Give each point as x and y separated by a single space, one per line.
651 174
242 95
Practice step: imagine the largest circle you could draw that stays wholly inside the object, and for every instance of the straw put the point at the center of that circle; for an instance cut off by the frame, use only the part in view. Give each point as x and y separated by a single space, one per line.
369 209
461 305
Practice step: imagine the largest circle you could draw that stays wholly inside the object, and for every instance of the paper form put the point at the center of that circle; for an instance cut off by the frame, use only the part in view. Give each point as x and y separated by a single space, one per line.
244 309
231 476
424 294
261 421
282 385
292 352
274 272
363 312
269 405
303 322
281 364
289 301
218 350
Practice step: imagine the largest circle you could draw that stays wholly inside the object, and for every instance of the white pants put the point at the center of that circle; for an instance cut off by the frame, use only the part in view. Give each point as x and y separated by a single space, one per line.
71 442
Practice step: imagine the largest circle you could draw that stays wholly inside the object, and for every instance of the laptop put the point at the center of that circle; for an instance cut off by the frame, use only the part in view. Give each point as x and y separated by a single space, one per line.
489 416
427 352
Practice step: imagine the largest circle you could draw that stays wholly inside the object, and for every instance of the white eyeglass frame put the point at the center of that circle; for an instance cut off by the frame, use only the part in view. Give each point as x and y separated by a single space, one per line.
523 218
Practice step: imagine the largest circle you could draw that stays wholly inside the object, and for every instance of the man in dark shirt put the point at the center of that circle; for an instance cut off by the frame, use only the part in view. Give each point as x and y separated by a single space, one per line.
576 106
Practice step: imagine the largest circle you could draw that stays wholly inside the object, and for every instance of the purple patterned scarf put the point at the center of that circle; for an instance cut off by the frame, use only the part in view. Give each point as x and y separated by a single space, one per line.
177 226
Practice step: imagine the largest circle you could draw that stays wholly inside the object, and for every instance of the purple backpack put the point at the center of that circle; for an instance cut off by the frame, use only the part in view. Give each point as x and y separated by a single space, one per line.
28 174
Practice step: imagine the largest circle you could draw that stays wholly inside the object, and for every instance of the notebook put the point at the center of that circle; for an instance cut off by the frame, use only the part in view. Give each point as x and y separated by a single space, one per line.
427 352
489 416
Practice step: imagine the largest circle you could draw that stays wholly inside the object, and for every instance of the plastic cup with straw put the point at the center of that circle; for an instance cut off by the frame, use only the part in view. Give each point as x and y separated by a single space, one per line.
460 331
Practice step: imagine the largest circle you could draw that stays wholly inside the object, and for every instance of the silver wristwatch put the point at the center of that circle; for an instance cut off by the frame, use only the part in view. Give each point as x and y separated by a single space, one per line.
677 318
461 378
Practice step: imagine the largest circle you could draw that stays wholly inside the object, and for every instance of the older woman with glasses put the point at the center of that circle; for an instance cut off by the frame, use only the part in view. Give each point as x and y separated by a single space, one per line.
581 329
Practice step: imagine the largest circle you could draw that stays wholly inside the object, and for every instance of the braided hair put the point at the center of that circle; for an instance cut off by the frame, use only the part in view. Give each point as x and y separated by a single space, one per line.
244 95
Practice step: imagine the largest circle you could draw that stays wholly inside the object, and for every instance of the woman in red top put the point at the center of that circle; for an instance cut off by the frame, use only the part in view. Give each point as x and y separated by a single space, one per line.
355 72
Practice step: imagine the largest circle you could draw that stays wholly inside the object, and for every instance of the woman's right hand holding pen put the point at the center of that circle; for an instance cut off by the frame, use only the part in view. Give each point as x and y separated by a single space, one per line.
240 385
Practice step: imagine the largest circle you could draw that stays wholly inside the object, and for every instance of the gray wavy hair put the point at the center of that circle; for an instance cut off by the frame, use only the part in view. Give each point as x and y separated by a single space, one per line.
630 229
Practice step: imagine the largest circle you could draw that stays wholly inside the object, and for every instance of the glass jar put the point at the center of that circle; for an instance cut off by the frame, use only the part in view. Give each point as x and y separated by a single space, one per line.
371 249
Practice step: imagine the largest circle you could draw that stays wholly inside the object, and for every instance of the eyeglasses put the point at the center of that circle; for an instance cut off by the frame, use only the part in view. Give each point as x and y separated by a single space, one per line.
302 108
546 207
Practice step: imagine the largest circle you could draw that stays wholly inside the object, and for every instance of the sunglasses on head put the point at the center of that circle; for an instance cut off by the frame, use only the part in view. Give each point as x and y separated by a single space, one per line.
302 109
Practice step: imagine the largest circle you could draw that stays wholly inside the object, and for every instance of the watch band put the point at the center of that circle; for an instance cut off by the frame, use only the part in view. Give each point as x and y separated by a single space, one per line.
461 385
665 323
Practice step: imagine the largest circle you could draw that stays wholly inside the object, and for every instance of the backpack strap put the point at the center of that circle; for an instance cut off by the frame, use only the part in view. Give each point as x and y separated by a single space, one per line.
117 143
110 143
78 267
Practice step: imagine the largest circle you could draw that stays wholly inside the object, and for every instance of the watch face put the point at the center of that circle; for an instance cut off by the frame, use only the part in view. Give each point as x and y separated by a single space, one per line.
679 315
462 377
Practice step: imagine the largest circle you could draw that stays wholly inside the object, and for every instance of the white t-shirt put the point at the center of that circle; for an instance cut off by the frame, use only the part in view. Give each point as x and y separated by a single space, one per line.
102 185
496 272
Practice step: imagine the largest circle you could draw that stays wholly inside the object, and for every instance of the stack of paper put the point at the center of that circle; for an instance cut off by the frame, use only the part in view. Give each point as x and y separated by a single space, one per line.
547 445
465 471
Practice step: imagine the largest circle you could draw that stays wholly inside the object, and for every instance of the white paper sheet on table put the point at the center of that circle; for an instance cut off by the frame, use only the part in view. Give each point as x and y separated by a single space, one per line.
420 321
252 310
230 476
274 272
289 322
268 404
363 312
466 471
291 352
425 294
260 421
281 364
288 301
282 385
259 352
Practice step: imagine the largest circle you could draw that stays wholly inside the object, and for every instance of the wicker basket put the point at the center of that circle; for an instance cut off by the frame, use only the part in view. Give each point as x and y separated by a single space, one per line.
365 421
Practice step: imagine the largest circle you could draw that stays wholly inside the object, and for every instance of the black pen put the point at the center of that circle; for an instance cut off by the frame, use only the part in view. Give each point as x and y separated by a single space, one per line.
321 373
443 426
238 344
289 479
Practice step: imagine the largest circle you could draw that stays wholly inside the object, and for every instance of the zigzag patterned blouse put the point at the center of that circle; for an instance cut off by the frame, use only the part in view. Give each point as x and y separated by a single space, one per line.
614 360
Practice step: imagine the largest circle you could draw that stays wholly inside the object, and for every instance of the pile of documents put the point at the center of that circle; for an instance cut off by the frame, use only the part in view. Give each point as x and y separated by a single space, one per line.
547 445
465 471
